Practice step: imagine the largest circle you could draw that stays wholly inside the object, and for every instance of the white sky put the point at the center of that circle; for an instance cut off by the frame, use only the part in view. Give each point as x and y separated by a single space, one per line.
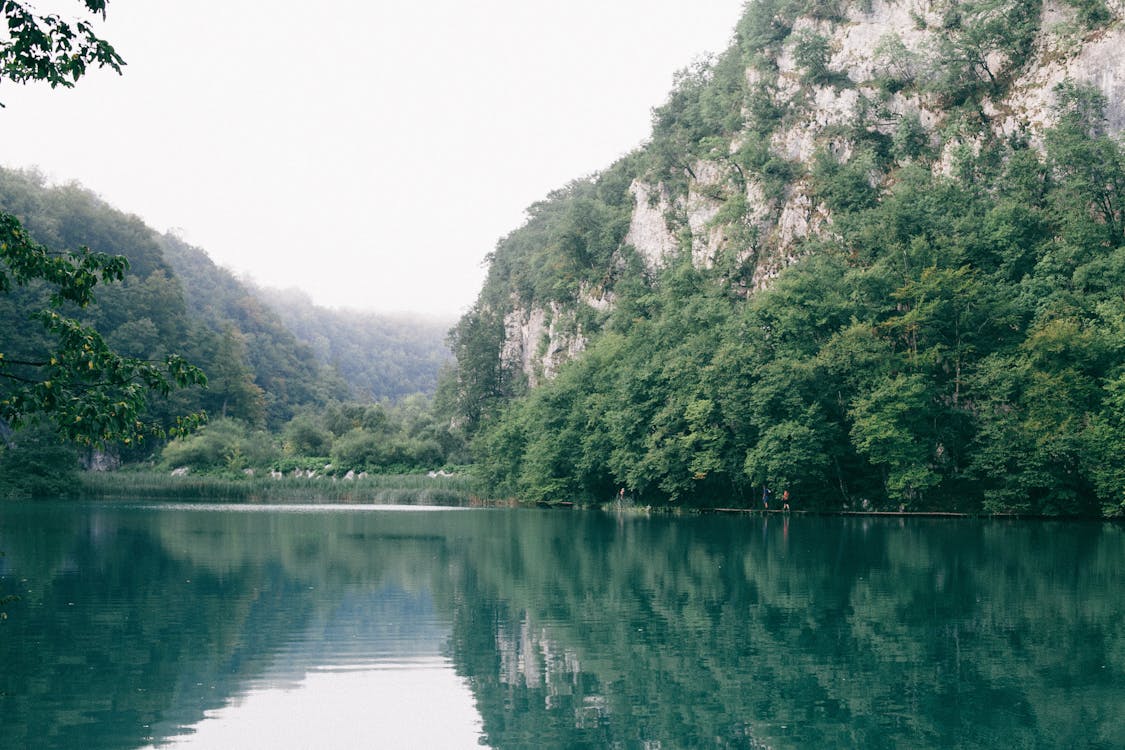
370 153
417 705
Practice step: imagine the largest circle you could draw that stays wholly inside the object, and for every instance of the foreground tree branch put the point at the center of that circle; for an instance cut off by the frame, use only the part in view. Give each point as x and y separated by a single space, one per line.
92 394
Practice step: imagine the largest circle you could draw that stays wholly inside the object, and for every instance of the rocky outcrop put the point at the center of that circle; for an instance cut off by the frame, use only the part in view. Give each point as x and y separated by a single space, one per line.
885 64
99 460
537 340
1098 60
649 230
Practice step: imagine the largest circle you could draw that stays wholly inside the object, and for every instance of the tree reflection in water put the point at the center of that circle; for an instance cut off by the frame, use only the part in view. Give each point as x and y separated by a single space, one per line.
573 629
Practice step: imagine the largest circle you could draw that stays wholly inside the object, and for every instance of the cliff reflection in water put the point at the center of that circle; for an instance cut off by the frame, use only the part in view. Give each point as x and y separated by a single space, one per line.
571 629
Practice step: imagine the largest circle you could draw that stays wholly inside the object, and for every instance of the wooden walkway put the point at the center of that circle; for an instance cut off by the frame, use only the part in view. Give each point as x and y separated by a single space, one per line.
865 513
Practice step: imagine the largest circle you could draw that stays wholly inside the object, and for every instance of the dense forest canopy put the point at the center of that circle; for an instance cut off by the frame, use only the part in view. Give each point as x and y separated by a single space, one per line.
939 327
57 369
272 401
870 257
257 369
380 356
101 371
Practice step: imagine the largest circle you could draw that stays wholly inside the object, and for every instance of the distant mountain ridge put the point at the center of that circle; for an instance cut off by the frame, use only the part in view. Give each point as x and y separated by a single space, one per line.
266 354
412 349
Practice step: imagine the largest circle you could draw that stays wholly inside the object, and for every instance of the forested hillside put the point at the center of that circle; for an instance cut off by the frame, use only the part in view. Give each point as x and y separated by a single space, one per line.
379 356
245 337
269 394
872 255
172 299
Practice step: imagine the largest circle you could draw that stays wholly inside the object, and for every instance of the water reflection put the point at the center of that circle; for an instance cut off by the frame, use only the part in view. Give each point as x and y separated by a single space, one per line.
136 625
145 626
416 703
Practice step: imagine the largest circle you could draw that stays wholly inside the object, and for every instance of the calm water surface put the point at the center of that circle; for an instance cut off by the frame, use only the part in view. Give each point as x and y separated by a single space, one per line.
180 626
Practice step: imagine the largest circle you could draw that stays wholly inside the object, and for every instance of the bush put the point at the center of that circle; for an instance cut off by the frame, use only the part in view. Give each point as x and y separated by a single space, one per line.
222 444
357 449
812 53
36 463
304 435
1093 14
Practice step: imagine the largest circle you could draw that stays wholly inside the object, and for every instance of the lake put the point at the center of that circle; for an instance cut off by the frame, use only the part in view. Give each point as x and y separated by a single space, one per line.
228 626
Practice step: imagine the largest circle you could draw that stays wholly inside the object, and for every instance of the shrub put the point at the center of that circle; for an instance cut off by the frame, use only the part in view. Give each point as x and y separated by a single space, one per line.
222 444
37 464
357 449
305 435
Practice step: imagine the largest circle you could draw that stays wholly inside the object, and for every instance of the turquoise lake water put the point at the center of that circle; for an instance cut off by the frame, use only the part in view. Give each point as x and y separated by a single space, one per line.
211 626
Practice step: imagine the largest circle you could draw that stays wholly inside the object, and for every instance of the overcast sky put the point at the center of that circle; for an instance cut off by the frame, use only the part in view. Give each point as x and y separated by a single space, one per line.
369 153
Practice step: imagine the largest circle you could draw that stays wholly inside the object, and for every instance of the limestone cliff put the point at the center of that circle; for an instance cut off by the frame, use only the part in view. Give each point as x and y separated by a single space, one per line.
726 179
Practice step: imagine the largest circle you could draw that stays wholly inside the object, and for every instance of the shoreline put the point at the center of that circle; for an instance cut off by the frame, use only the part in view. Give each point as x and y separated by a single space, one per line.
927 513
907 514
460 489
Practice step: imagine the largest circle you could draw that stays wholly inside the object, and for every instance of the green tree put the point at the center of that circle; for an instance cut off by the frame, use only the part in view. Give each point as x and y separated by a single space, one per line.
986 42
92 393
359 449
1105 444
49 48
35 463
1090 168
890 425
305 435
222 444
232 390
812 53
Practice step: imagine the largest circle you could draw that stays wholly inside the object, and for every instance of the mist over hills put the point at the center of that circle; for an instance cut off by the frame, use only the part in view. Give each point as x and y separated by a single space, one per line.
266 353
872 257
411 348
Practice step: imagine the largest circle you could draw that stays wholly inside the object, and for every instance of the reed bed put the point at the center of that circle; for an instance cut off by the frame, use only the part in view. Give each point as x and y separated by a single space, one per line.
398 489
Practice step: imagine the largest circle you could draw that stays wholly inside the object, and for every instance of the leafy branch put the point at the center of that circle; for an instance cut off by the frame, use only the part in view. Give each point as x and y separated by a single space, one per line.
50 48
92 394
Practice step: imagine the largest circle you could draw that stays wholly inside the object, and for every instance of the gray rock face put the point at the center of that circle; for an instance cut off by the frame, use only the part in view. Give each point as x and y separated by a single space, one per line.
871 40
98 460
